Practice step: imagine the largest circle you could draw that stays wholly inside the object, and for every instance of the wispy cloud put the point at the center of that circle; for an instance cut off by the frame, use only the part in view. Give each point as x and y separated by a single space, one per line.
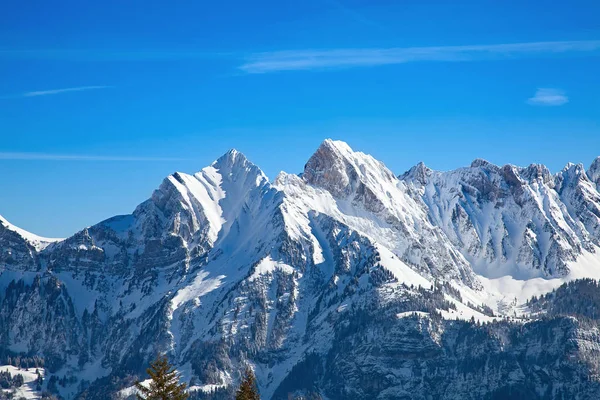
78 157
64 90
113 54
296 60
548 97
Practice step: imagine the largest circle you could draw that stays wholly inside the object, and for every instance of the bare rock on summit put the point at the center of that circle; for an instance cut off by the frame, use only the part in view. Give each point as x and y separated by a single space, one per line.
594 172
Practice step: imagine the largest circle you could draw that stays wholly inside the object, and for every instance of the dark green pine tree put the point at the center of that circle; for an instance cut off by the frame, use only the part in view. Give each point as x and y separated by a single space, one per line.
248 389
164 384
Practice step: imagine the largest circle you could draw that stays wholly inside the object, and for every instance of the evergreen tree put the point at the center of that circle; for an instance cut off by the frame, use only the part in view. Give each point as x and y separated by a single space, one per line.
248 389
165 382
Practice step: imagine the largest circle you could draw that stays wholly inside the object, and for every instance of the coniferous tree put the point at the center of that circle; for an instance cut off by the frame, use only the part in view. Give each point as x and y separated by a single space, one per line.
248 389
164 384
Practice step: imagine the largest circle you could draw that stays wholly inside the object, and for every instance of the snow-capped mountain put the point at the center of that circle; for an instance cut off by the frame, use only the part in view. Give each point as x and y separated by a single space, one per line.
370 199
344 281
522 222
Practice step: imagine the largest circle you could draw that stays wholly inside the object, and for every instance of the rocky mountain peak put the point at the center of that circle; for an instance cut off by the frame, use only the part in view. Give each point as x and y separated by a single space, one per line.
573 169
594 172
571 175
234 166
537 172
418 173
230 158
510 175
330 169
197 207
338 169
482 163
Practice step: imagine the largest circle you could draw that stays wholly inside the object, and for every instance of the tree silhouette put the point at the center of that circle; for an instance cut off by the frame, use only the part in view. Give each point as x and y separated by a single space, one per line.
164 383
248 389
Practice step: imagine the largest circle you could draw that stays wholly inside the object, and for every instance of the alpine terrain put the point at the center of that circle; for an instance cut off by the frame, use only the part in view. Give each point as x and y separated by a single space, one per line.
346 281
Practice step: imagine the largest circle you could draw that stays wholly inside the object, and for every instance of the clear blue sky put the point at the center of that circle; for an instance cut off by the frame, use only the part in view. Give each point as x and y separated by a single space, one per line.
134 90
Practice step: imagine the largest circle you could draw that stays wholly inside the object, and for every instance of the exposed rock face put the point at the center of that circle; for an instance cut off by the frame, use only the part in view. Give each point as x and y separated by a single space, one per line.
15 251
524 222
40 318
358 183
455 360
19 248
344 281
594 172
420 174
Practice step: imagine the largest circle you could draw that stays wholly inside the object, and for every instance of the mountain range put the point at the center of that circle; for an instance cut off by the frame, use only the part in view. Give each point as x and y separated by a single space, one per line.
346 281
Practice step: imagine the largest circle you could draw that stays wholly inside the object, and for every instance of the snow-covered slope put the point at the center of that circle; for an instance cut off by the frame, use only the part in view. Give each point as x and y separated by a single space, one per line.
364 194
38 242
344 280
29 389
521 222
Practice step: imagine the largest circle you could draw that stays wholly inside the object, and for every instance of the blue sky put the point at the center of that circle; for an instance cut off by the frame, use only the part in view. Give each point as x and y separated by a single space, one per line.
99 101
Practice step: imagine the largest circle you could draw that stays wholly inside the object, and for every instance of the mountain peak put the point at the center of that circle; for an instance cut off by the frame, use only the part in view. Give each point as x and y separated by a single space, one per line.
337 145
231 157
537 172
418 173
575 170
234 163
197 207
338 169
594 172
480 162
571 175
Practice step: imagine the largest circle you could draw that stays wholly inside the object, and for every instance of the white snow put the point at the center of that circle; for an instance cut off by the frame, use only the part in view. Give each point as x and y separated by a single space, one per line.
464 313
507 294
198 288
401 271
38 242
411 313
205 188
28 389
132 390
267 266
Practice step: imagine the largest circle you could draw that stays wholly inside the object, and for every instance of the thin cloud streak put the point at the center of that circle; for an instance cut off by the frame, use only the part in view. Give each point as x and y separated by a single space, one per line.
64 90
548 97
293 60
77 157
112 54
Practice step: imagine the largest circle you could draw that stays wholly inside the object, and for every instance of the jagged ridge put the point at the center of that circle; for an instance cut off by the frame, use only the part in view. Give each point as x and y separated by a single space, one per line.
345 262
